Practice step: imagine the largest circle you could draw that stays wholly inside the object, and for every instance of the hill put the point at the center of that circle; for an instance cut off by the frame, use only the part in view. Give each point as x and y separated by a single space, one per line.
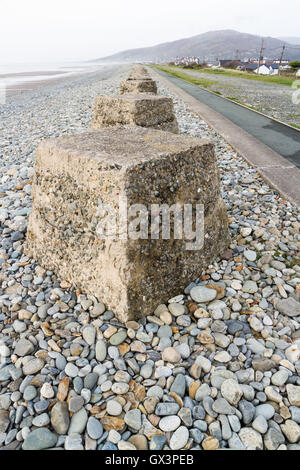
224 44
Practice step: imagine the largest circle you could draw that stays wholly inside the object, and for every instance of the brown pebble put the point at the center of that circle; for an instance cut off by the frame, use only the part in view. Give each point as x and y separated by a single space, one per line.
177 398
227 255
210 443
123 348
63 389
110 422
205 338
220 291
166 317
195 371
150 404
140 392
132 325
139 441
154 420
193 389
192 306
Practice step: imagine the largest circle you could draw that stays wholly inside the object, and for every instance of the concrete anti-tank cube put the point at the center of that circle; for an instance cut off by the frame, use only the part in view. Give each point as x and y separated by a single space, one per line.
142 109
139 73
138 86
131 276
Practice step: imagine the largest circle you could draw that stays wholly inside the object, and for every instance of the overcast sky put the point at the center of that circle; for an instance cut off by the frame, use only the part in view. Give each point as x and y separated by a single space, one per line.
59 30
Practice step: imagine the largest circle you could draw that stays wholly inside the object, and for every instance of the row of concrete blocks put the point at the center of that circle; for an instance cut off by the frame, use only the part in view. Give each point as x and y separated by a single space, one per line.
139 81
137 104
77 176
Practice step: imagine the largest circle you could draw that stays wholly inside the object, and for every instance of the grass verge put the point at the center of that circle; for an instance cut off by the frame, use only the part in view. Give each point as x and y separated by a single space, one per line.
275 80
178 74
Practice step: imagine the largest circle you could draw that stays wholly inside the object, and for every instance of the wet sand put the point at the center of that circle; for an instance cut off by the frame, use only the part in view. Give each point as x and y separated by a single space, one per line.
31 74
15 88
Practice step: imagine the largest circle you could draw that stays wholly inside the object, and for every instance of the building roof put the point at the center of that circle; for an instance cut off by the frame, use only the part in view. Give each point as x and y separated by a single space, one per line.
271 64
228 61
248 65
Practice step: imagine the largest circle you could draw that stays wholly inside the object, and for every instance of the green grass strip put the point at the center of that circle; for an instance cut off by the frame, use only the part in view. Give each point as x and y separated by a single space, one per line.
178 74
275 79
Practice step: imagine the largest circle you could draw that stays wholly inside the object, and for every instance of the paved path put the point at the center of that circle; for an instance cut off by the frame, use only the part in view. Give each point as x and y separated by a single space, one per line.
267 145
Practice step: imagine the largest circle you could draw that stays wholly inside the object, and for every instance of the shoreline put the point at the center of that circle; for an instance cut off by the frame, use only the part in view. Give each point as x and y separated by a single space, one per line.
20 88
34 73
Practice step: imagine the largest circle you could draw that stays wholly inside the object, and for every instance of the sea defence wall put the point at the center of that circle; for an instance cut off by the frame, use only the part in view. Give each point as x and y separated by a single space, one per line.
143 110
139 81
98 202
138 86
137 105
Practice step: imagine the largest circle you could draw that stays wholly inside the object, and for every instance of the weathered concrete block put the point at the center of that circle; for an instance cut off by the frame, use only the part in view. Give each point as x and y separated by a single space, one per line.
139 73
138 86
131 276
142 110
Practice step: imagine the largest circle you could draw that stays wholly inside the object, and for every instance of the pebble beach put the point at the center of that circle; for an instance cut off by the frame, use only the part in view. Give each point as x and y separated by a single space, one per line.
216 367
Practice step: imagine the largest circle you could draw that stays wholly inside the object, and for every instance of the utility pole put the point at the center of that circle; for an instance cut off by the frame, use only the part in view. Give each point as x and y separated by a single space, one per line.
261 54
281 57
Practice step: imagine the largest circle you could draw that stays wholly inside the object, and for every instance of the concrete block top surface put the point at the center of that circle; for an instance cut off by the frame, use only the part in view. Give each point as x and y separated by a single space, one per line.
136 98
138 86
125 146
140 77
139 73
139 109
138 81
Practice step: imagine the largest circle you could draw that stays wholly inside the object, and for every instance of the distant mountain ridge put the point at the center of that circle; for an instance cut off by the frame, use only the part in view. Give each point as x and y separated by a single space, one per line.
223 44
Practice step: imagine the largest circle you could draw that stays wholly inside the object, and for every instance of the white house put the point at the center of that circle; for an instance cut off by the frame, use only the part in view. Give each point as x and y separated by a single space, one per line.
267 69
298 73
